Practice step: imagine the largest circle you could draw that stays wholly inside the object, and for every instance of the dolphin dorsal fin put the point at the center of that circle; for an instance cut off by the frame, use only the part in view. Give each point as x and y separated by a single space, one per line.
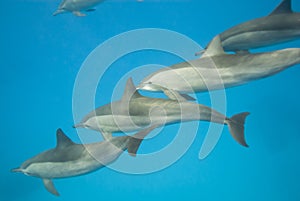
214 48
130 91
283 7
62 140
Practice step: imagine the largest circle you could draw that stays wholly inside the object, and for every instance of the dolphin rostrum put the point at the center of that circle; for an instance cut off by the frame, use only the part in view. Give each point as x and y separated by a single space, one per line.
69 159
282 25
218 70
136 112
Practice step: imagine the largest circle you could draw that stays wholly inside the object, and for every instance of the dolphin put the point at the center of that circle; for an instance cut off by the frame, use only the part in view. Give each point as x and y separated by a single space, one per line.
282 25
69 159
136 112
218 70
77 6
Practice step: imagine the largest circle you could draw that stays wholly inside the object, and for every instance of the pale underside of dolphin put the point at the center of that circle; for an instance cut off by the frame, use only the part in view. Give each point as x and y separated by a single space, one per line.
282 25
78 6
218 70
136 112
69 159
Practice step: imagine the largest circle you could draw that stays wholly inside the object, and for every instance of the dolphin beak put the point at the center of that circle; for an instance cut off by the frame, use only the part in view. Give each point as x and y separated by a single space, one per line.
140 86
16 170
80 125
146 86
59 11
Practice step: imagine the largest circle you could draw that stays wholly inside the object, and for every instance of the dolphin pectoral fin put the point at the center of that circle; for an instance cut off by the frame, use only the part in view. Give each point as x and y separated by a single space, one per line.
284 7
106 135
187 97
242 52
78 14
90 10
135 141
174 95
236 127
50 186
171 94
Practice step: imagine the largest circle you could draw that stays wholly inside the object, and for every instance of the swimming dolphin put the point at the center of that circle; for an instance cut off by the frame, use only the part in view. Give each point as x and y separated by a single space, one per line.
218 70
137 112
280 26
69 159
77 6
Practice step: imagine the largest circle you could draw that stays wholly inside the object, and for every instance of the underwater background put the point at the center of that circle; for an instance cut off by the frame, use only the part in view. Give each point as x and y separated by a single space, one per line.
41 56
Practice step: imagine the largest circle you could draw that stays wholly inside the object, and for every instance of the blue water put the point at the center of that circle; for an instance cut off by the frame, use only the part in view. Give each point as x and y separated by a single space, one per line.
41 56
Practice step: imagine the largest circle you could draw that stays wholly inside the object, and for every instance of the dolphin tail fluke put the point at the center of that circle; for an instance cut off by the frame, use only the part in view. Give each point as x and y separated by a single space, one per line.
136 140
50 186
236 127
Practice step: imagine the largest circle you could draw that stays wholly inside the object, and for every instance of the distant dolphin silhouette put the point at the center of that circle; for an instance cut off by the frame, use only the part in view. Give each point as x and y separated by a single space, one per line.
77 6
69 159
218 70
136 112
281 25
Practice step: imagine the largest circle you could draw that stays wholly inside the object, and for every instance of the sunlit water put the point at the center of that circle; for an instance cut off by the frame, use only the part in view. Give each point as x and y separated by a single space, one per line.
41 56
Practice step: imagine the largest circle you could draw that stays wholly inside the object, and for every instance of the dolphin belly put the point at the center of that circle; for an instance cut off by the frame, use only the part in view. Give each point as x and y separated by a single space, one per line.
80 5
190 79
118 123
53 170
